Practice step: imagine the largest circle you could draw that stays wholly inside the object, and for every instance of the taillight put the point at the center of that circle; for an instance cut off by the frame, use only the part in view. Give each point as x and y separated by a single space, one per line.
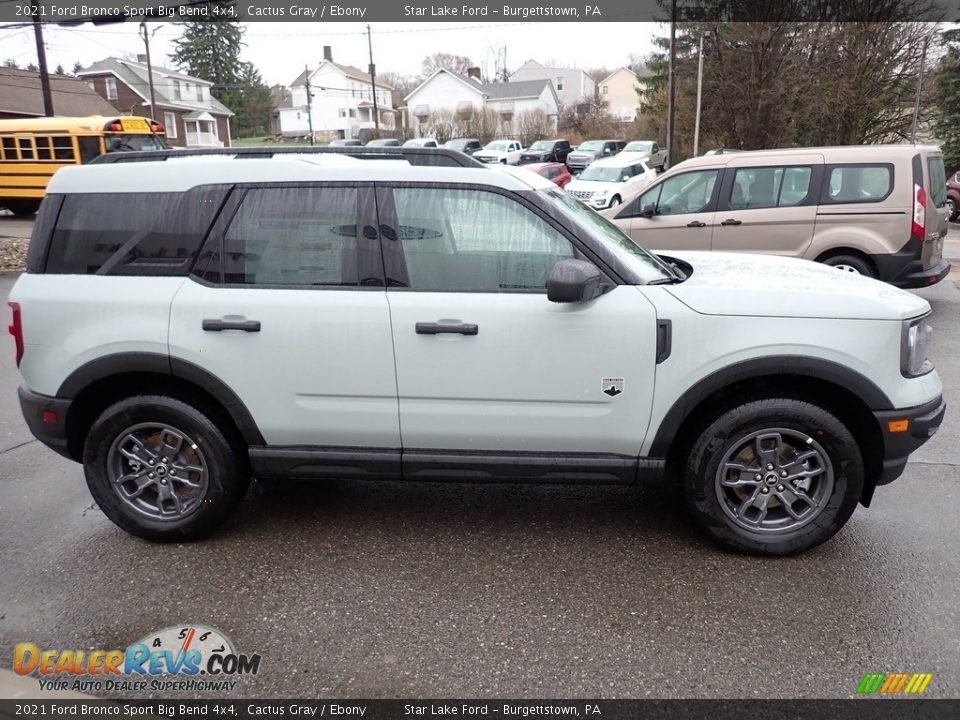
919 225
16 329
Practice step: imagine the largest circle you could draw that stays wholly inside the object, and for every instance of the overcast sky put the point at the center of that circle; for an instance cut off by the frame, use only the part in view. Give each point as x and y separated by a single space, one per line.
280 50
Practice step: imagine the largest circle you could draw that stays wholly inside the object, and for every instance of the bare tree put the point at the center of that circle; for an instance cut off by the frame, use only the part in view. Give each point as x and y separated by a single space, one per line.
532 125
447 61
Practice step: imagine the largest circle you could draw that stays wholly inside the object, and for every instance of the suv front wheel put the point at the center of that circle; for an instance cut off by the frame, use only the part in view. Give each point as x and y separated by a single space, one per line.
773 477
162 470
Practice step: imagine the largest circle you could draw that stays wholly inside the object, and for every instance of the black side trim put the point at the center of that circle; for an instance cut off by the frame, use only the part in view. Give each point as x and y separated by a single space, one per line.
53 435
664 339
924 422
451 465
112 365
773 367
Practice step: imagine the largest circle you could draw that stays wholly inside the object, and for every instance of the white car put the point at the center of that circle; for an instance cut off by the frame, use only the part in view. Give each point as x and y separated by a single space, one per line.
605 183
506 152
189 322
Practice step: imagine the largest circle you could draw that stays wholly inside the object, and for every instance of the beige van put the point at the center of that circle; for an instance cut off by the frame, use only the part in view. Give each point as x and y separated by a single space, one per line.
877 210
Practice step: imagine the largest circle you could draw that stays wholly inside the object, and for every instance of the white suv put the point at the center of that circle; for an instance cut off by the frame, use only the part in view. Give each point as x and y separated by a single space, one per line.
188 323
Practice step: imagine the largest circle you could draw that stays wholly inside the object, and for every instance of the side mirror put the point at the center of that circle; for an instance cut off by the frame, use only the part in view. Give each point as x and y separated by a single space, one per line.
649 210
573 281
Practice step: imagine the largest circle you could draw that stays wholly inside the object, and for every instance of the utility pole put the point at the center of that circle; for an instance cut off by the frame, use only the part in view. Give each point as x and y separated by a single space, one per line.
373 82
671 87
916 107
306 83
146 43
42 62
696 124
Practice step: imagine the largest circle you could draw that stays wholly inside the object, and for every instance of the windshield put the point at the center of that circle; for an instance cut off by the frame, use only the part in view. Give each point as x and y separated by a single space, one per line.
603 174
647 265
456 144
502 146
592 145
541 145
127 143
639 146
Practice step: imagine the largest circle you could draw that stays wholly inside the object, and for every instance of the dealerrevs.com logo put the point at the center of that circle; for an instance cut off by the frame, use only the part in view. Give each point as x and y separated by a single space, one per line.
178 658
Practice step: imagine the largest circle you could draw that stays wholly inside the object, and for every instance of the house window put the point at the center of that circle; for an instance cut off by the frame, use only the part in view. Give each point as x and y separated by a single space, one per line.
176 90
605 88
199 93
111 88
559 84
343 112
170 123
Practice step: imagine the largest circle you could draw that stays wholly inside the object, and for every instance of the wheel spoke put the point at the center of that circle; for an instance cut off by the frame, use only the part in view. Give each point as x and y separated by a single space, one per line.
186 481
140 444
175 448
765 453
143 483
746 478
800 458
758 500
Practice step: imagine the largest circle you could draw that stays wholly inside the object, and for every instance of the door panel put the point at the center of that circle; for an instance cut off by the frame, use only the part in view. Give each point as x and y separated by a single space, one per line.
684 217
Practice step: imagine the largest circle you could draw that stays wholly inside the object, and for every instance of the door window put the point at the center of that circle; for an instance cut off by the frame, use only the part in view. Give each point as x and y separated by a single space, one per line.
768 187
686 193
474 241
300 236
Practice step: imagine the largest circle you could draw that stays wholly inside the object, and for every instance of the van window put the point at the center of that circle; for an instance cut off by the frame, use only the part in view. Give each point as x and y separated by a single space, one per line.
132 233
938 180
858 183
755 188
685 193
296 236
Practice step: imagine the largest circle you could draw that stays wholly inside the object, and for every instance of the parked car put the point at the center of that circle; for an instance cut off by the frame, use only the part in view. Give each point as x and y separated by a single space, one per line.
384 142
180 332
421 143
874 210
606 182
592 150
467 146
953 196
507 152
345 143
556 173
648 150
554 151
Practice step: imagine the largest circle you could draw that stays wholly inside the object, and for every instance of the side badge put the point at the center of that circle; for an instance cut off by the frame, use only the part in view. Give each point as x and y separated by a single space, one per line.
611 386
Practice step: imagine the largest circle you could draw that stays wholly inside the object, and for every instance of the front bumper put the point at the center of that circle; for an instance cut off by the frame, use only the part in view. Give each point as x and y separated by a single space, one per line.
922 423
47 419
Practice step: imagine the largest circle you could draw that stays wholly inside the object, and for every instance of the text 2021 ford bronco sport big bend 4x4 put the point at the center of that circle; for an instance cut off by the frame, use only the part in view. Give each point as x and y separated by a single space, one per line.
191 322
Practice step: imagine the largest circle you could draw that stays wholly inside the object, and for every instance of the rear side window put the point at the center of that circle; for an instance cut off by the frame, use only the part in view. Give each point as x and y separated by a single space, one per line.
938 180
858 183
293 236
132 233
755 188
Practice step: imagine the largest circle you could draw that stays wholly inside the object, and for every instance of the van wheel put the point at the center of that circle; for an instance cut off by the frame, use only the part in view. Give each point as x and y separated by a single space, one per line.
773 477
162 470
851 264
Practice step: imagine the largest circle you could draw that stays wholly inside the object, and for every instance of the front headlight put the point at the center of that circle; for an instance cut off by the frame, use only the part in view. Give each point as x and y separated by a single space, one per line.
914 343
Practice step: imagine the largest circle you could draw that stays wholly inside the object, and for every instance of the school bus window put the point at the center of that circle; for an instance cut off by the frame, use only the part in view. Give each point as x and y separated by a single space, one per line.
9 149
89 148
63 148
26 148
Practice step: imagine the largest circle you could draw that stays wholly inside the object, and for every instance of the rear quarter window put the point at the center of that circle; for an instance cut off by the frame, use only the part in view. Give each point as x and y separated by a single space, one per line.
858 183
132 233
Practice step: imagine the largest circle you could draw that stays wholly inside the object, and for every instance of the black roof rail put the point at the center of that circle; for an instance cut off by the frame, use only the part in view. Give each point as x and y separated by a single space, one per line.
435 157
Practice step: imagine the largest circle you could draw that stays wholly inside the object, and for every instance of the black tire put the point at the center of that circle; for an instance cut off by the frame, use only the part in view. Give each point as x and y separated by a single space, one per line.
21 208
223 482
835 451
615 201
953 210
851 263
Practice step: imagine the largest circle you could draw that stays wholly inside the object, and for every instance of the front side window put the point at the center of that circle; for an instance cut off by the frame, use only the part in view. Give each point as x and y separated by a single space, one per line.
686 193
469 241
858 183
301 236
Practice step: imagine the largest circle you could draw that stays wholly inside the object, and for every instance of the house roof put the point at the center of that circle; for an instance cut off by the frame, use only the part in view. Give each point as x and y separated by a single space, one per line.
534 65
497 90
134 75
620 69
20 94
348 70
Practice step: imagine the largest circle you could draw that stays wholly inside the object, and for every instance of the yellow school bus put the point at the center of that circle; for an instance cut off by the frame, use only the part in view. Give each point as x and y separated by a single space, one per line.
33 149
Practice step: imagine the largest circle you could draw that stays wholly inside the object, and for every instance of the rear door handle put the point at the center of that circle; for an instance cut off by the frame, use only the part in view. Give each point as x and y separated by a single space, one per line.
731 221
696 223
216 325
432 328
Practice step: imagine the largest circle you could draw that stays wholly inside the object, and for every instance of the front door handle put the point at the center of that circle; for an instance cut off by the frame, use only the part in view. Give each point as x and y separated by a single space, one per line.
731 221
696 223
432 328
216 325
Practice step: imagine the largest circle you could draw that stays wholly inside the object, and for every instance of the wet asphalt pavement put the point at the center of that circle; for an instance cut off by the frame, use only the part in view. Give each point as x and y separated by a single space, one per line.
351 589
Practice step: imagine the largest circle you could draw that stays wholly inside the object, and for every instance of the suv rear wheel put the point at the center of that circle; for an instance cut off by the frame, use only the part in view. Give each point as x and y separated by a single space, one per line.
773 477
162 470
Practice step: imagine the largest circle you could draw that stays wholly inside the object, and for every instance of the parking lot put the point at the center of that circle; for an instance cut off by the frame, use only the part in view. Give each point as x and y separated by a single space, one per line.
352 589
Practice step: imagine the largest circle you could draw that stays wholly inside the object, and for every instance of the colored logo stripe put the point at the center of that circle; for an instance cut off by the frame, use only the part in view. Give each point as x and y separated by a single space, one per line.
894 683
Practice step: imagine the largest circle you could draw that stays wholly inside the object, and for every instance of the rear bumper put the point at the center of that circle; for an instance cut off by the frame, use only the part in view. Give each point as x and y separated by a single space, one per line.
923 422
47 419
923 278
904 268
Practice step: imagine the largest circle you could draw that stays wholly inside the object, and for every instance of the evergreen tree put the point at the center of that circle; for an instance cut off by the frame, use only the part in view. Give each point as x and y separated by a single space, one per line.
210 50
947 122
77 67
60 70
254 103
10 63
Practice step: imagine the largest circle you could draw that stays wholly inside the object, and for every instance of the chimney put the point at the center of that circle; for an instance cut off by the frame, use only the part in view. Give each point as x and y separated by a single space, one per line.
328 53
474 73
141 58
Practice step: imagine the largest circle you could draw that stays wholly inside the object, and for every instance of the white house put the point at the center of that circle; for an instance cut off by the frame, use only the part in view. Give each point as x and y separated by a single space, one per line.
449 91
618 93
573 85
341 102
